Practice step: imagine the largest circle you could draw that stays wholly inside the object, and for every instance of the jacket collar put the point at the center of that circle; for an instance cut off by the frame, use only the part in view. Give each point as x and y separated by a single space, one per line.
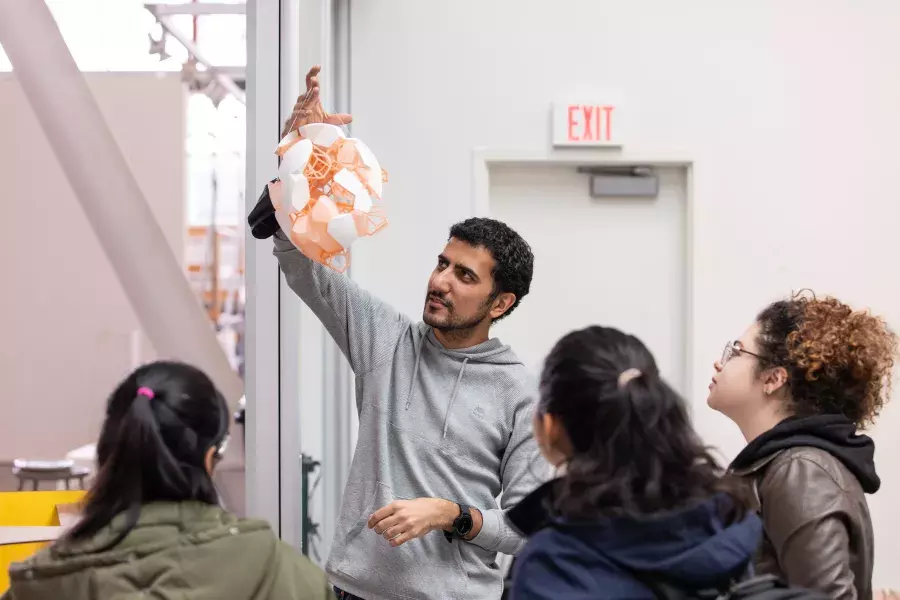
175 516
832 433
535 511
756 466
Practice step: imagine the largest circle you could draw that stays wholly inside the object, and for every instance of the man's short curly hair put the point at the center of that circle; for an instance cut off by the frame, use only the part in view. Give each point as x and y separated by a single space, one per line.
838 360
514 261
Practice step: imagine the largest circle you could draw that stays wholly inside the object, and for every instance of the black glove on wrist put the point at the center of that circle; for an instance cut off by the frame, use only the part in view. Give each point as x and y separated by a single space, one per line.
262 221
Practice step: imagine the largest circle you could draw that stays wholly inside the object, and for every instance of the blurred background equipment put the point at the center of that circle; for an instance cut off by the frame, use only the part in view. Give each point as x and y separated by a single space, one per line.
59 473
182 133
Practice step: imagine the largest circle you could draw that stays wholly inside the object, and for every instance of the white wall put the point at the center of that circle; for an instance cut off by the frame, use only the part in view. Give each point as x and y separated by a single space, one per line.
789 112
66 321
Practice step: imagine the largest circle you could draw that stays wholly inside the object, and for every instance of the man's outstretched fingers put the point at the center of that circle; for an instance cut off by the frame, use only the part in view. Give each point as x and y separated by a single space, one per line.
339 119
308 108
311 76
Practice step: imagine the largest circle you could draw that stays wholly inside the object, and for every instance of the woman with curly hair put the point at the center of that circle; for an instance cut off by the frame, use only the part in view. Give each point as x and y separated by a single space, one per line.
800 383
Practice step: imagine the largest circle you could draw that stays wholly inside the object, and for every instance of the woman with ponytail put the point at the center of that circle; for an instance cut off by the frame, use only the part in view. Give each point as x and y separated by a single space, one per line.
639 502
152 526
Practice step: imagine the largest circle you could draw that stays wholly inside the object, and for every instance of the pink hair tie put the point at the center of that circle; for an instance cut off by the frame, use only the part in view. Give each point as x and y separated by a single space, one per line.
145 391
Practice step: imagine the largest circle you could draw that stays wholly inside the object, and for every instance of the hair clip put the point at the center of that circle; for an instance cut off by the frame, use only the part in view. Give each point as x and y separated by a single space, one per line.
628 375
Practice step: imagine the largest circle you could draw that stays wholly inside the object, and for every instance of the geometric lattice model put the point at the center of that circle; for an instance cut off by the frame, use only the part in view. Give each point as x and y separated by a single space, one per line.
328 192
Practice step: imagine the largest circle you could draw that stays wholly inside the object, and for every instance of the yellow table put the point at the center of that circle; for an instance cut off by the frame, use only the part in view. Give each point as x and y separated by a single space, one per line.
18 509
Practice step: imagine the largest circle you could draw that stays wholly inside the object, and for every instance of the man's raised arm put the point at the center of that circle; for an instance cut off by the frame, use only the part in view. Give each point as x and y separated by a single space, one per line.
365 328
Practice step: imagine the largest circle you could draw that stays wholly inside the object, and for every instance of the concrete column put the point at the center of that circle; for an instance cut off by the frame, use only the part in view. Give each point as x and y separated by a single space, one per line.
108 193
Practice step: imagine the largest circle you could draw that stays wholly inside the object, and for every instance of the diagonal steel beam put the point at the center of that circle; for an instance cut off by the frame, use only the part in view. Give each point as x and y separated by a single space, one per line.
108 193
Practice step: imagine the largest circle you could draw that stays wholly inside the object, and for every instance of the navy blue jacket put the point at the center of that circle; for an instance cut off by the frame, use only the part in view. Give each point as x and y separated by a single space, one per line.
580 560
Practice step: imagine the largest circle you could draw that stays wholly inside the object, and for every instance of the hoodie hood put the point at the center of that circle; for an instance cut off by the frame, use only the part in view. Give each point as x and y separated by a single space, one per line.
692 546
492 351
835 434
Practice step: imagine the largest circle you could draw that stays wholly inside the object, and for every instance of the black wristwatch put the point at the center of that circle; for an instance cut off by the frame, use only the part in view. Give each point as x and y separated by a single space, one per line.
462 526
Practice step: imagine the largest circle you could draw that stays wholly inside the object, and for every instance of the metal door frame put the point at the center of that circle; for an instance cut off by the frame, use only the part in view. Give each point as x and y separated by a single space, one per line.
292 368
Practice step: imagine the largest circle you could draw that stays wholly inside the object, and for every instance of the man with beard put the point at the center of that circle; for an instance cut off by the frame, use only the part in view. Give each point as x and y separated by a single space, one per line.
444 415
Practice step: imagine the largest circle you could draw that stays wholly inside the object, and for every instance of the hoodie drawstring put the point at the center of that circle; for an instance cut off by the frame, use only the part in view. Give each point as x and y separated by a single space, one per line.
412 382
453 394
412 385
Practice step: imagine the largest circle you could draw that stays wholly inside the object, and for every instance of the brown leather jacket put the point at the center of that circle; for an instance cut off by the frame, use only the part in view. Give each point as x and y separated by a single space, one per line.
818 532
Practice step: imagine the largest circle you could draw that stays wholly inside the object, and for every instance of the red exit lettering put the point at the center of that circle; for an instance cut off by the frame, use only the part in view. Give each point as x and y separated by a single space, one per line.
590 123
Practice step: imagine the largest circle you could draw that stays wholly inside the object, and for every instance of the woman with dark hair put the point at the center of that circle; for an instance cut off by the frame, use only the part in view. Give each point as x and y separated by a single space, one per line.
641 504
151 523
799 383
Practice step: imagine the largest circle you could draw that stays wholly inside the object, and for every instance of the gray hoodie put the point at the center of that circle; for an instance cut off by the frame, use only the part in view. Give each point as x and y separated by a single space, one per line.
433 422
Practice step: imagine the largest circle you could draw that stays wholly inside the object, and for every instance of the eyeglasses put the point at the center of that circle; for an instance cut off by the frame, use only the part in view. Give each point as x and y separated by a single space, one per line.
732 349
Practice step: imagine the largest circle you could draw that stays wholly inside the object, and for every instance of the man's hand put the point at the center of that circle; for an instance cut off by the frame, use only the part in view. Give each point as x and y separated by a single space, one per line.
309 107
405 520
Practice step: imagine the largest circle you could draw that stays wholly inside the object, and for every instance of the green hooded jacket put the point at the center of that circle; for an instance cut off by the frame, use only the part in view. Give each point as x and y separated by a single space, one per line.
177 551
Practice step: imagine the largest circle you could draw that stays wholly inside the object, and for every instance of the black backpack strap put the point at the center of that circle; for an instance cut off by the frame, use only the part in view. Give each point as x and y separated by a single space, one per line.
667 590
756 585
661 590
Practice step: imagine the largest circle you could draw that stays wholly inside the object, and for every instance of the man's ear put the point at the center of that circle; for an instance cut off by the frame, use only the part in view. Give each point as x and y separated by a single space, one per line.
502 303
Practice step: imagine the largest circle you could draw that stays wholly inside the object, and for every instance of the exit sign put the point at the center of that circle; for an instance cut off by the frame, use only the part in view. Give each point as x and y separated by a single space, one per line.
597 124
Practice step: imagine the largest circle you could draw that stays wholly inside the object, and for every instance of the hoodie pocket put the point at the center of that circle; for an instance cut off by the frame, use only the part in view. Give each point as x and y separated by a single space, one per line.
428 567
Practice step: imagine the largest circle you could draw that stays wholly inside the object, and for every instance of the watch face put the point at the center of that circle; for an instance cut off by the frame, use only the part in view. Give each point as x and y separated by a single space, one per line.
463 524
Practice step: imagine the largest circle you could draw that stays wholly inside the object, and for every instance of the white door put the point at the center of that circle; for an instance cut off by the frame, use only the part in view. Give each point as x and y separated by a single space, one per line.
613 262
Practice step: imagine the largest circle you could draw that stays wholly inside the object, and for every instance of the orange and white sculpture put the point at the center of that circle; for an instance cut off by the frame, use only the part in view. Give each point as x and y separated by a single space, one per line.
327 192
